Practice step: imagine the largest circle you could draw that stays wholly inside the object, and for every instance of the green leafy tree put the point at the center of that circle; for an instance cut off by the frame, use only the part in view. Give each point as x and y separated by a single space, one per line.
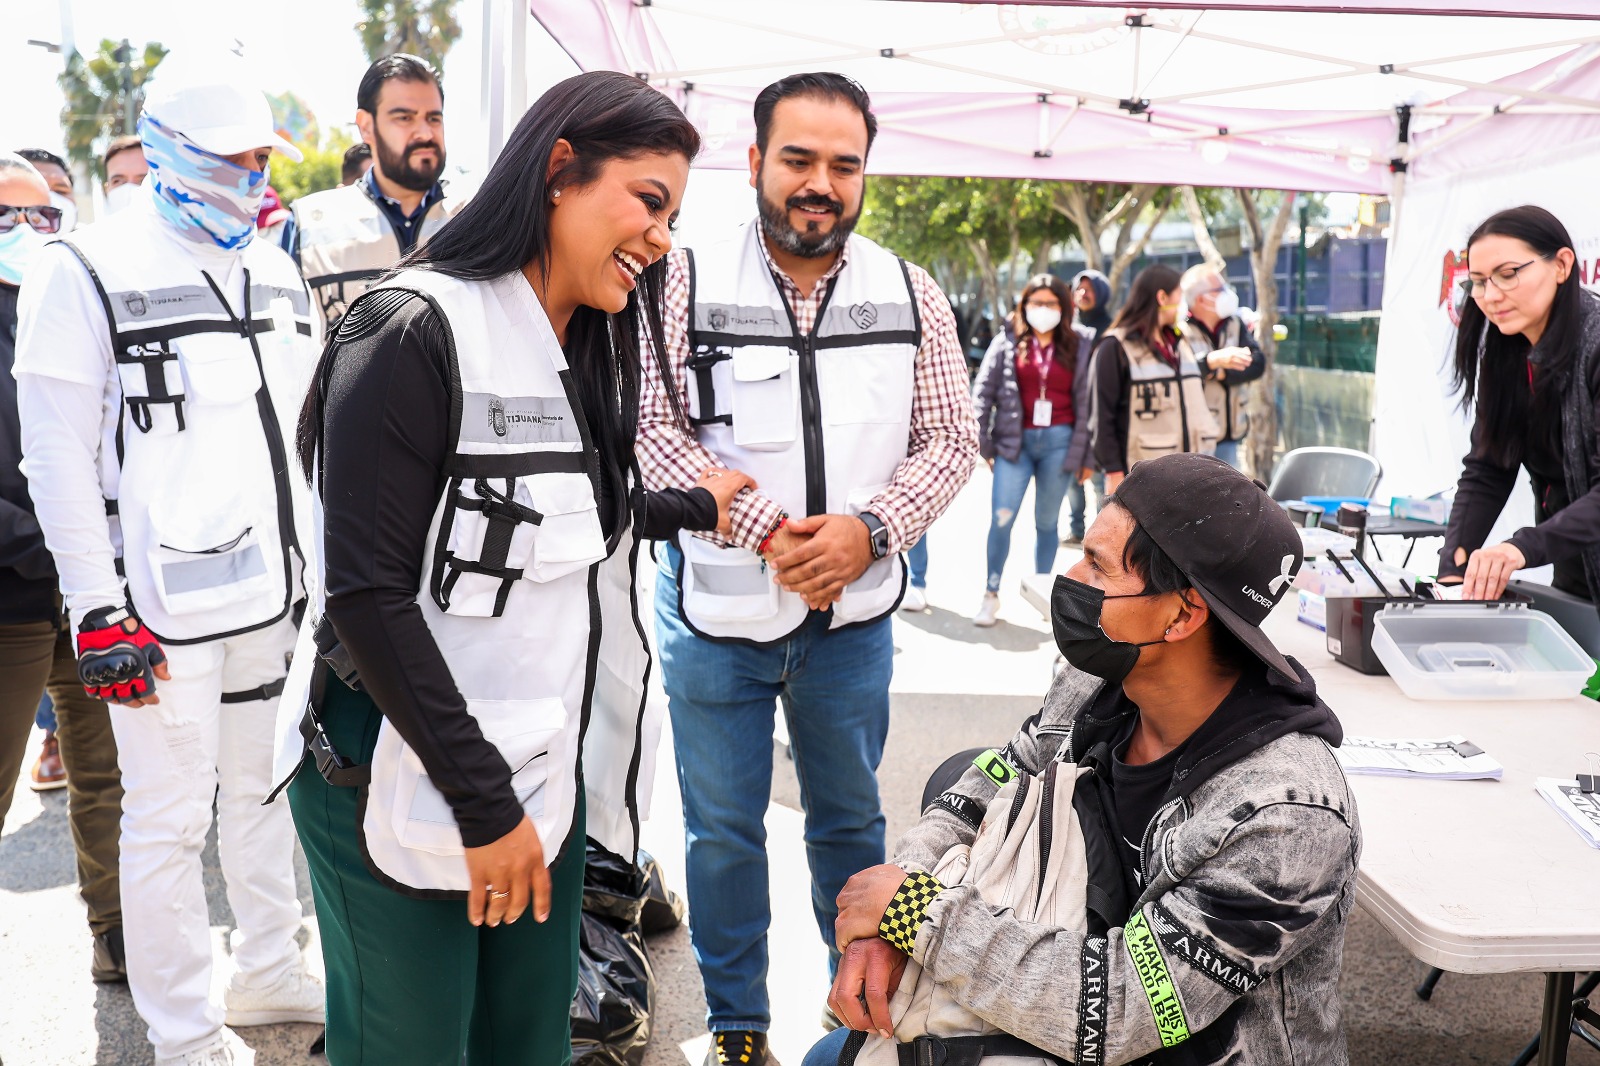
320 169
105 92
974 235
1122 215
425 28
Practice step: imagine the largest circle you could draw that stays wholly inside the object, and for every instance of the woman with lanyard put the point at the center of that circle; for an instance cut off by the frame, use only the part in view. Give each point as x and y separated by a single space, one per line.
473 659
1528 353
1149 397
1031 398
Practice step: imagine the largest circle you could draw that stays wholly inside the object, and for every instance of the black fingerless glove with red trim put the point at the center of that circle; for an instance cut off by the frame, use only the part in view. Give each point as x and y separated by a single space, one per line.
116 656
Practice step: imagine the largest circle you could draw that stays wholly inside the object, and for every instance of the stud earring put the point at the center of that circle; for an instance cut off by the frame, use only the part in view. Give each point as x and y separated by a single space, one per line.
556 195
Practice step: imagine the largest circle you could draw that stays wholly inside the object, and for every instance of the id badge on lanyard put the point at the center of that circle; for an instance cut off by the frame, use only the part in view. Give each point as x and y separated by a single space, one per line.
1042 408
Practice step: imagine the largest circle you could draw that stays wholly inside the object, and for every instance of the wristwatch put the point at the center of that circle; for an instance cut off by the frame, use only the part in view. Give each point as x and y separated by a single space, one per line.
877 533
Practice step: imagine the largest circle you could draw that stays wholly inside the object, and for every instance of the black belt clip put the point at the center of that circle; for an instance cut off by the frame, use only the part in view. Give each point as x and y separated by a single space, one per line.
967 1050
335 769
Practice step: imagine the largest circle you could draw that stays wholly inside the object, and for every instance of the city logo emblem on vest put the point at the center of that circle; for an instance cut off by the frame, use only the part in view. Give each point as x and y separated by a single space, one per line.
865 316
717 318
497 416
136 303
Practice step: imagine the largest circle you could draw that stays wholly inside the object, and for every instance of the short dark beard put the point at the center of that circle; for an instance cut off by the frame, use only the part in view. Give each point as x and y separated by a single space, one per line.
396 166
775 223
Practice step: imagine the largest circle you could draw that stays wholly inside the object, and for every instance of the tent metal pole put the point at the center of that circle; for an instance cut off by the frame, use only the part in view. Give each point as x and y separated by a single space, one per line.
1506 105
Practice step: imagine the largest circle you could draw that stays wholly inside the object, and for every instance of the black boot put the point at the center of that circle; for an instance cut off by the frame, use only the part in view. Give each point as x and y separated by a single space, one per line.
109 964
737 1047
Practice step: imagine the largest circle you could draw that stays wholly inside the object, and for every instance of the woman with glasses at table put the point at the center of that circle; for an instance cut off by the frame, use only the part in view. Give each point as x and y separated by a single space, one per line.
1528 352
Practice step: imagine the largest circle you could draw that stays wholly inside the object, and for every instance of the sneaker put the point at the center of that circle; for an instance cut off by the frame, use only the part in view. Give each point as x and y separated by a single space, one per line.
296 997
109 963
227 1050
737 1047
1072 540
48 771
988 614
915 599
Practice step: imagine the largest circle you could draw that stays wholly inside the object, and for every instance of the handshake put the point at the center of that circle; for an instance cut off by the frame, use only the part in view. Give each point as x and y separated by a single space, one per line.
813 557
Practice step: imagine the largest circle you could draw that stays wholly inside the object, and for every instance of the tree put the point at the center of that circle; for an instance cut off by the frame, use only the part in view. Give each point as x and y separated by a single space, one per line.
1098 210
321 168
1265 241
424 28
105 93
968 232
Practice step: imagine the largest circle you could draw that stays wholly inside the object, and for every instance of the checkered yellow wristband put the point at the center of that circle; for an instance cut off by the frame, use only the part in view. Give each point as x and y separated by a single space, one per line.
908 909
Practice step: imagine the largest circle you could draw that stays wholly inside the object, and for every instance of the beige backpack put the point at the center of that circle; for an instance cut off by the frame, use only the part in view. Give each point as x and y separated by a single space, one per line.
1028 856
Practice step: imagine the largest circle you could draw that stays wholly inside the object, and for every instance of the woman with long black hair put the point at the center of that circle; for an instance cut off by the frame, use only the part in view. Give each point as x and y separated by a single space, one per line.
1528 353
473 660
1149 396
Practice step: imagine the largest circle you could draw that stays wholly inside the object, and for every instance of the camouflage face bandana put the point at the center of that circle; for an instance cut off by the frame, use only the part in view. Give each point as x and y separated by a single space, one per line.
205 197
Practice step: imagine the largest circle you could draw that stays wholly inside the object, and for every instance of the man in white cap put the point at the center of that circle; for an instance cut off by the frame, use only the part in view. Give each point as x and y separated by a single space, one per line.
161 358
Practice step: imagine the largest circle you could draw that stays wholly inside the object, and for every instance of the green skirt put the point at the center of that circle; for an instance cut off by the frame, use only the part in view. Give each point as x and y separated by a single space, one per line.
411 982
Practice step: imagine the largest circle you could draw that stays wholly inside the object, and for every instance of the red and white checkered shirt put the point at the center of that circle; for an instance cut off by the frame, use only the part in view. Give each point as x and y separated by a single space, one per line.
944 435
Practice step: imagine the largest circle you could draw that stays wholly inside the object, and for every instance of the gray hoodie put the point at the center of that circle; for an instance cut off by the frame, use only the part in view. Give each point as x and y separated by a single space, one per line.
1232 949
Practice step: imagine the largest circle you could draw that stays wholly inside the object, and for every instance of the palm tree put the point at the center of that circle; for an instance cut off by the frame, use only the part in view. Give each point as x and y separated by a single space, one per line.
424 28
104 94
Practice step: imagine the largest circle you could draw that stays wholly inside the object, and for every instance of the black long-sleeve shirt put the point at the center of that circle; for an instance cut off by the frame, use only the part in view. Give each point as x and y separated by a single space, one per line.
1563 527
384 445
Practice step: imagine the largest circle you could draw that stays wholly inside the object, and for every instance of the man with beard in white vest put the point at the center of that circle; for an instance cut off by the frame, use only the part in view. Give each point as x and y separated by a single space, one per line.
161 357
346 238
829 370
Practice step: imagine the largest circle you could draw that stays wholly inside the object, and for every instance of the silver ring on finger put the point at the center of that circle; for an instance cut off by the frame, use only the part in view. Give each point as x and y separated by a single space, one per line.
493 894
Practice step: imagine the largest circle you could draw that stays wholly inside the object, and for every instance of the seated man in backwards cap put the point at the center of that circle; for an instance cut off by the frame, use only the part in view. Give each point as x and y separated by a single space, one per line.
1219 838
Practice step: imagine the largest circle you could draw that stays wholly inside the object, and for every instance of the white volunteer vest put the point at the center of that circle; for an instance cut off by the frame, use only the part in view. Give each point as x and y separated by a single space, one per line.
534 613
1228 401
200 497
346 243
821 421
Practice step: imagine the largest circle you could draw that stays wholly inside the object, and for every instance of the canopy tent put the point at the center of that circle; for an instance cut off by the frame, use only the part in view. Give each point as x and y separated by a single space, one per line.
1452 117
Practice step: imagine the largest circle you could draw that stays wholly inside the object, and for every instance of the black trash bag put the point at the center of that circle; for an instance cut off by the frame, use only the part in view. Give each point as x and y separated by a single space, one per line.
663 908
616 987
616 993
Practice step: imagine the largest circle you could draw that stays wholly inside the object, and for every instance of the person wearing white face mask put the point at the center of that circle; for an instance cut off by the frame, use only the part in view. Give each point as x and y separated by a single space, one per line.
1031 398
161 357
125 169
1228 349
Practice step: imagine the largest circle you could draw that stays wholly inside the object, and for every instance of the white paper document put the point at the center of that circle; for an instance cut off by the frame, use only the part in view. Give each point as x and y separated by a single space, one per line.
1581 809
1452 758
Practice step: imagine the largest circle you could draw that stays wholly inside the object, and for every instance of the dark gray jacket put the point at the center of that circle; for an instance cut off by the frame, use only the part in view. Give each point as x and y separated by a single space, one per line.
997 401
1231 950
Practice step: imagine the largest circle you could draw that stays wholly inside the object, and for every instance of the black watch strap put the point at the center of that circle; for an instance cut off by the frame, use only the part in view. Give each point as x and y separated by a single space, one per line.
877 532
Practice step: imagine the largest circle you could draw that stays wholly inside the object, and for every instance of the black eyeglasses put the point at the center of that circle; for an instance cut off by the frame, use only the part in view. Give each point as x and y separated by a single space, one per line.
1505 279
42 219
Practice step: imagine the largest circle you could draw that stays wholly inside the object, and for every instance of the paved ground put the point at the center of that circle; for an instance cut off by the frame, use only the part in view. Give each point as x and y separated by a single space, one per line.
954 687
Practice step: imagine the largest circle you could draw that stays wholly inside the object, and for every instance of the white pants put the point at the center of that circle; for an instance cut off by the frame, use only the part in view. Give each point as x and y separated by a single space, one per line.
176 757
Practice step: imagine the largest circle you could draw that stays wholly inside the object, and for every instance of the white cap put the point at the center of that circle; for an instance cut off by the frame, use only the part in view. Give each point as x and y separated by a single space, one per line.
217 106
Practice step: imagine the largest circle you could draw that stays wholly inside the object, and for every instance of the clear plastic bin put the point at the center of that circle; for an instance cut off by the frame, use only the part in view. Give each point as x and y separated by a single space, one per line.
1477 651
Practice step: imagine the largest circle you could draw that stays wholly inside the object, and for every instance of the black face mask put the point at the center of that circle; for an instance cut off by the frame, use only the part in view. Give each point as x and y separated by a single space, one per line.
1075 622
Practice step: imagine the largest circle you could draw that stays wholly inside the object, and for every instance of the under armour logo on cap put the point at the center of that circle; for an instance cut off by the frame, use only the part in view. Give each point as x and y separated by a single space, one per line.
1283 579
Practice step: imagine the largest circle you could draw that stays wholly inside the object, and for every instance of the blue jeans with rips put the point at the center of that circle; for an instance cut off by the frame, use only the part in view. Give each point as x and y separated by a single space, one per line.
1040 460
833 686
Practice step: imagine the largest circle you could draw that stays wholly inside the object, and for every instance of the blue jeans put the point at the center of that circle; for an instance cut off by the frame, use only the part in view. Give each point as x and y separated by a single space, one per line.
1228 452
917 563
834 687
1078 499
825 1052
45 716
1041 458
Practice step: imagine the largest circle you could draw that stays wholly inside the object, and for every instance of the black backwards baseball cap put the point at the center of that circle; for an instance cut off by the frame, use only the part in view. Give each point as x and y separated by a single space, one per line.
1231 540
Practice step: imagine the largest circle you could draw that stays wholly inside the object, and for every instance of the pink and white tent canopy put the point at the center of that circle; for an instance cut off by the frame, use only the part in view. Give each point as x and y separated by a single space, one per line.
1294 94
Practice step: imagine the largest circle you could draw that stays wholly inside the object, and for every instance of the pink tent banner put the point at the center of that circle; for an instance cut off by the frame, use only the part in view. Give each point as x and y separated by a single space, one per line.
1290 94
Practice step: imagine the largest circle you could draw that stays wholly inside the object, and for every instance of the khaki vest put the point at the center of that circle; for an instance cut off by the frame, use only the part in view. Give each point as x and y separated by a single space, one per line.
1228 401
1167 409
347 243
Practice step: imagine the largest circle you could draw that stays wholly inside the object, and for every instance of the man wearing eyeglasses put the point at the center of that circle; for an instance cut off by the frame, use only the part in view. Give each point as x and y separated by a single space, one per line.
36 653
